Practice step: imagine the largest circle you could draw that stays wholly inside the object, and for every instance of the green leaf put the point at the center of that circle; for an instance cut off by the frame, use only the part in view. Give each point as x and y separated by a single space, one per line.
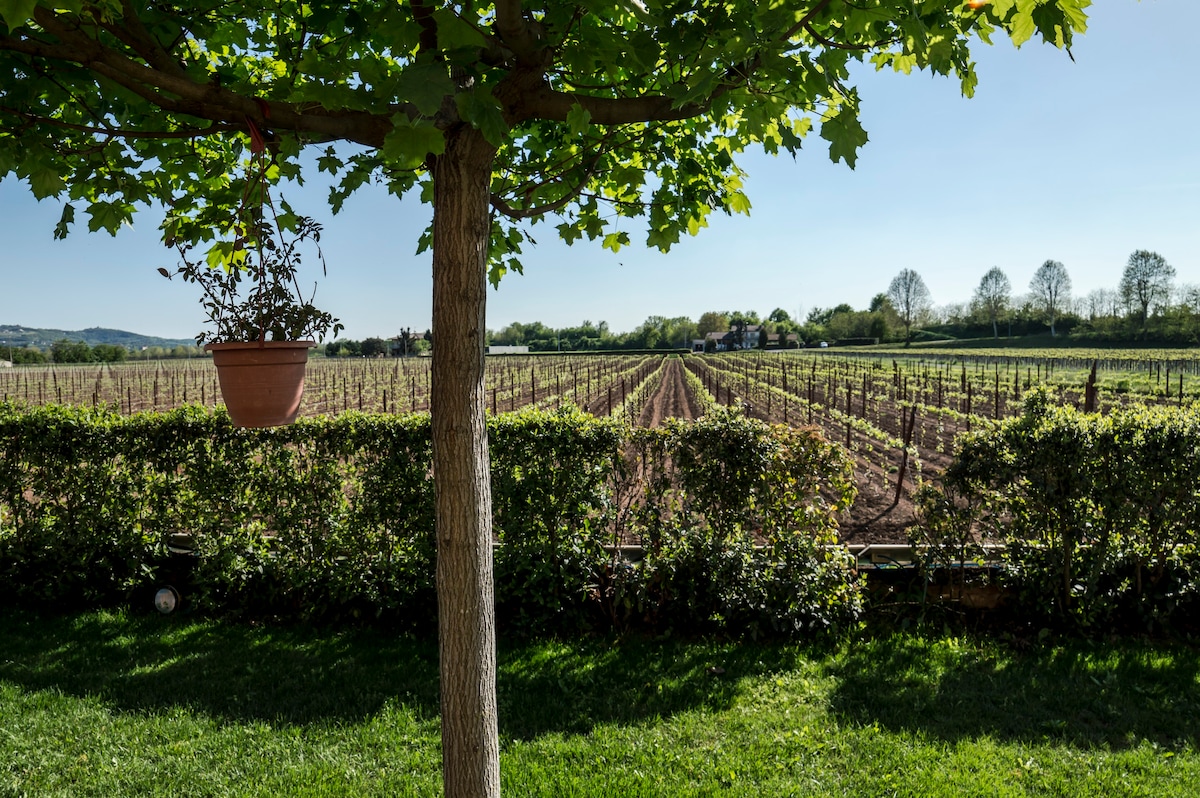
222 255
569 233
615 241
425 86
329 162
106 216
454 33
482 110
578 119
739 203
65 221
663 239
496 272
16 13
409 143
46 182
1021 26
844 134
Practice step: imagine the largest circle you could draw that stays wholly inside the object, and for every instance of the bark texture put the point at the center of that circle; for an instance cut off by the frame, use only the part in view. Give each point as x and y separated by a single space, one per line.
466 605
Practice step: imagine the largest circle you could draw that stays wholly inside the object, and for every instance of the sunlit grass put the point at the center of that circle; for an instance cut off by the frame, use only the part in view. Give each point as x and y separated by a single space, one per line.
116 704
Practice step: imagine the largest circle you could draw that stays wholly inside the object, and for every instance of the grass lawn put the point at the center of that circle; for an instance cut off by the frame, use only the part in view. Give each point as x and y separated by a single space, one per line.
118 704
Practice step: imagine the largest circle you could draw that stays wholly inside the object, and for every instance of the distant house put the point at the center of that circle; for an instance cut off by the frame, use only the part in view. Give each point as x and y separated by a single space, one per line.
508 350
697 344
789 341
733 340
5 364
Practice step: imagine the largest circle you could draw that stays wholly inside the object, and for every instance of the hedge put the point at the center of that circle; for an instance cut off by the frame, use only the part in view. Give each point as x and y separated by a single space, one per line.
332 519
1097 514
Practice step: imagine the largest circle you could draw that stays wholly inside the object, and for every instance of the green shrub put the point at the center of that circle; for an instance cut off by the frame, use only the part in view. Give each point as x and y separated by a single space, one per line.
735 522
552 480
1098 513
332 518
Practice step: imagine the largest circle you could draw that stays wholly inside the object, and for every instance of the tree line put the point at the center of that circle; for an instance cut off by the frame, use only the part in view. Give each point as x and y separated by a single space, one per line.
65 350
1146 306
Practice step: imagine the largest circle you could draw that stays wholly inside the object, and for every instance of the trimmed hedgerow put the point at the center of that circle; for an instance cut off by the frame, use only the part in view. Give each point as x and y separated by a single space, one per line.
1098 514
737 523
332 518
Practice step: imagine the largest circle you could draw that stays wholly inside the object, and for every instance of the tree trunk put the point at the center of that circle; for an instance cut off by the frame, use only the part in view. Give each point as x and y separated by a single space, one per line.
466 605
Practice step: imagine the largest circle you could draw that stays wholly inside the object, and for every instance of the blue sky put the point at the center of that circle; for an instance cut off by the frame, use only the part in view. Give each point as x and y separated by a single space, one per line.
1082 162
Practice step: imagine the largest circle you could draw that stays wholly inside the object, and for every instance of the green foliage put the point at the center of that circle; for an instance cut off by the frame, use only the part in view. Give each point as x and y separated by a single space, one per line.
65 351
1099 513
552 501
332 518
27 355
640 110
735 521
274 307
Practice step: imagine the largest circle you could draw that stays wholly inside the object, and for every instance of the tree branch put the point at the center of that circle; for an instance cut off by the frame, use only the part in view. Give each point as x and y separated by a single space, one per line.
515 32
120 133
173 91
527 213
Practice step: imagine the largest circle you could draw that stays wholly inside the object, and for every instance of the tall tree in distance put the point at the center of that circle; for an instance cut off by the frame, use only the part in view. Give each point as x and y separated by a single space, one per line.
498 114
1051 290
993 296
711 321
910 298
1146 282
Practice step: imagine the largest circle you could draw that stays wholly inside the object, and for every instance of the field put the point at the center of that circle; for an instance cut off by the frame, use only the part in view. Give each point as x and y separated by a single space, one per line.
897 412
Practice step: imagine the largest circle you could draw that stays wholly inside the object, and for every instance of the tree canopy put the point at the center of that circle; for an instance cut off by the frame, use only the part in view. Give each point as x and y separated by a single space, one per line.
1146 281
499 114
993 295
599 111
1051 289
911 299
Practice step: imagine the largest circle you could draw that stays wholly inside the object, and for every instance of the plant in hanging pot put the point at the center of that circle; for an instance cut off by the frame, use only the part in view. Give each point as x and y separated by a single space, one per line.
261 325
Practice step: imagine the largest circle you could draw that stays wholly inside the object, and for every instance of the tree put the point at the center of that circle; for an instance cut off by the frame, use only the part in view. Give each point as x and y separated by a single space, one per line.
498 114
880 303
822 316
1051 290
1146 282
993 295
109 353
373 347
910 298
28 355
67 351
711 321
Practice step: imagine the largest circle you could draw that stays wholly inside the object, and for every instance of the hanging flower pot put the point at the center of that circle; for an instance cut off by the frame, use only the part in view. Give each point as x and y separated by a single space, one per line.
262 382
261 322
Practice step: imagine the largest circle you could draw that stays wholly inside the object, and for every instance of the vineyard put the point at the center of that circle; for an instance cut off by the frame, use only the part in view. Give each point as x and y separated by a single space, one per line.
898 413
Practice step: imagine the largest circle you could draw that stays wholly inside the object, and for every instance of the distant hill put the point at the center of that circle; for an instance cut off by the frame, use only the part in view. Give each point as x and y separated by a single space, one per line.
18 336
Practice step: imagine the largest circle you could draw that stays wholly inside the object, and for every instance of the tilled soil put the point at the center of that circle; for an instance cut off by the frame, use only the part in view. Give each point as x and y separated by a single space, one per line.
673 399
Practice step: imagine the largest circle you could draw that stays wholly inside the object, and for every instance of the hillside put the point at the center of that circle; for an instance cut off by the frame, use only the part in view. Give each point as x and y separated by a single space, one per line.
17 336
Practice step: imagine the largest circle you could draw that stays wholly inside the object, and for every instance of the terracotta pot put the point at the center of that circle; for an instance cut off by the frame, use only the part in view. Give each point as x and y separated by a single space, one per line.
262 382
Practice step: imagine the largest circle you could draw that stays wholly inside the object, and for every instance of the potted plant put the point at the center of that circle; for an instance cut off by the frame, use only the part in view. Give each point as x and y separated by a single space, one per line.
261 325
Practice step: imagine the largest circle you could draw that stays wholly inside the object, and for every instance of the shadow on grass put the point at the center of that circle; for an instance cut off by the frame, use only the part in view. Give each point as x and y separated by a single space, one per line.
298 675
572 687
235 672
1089 694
